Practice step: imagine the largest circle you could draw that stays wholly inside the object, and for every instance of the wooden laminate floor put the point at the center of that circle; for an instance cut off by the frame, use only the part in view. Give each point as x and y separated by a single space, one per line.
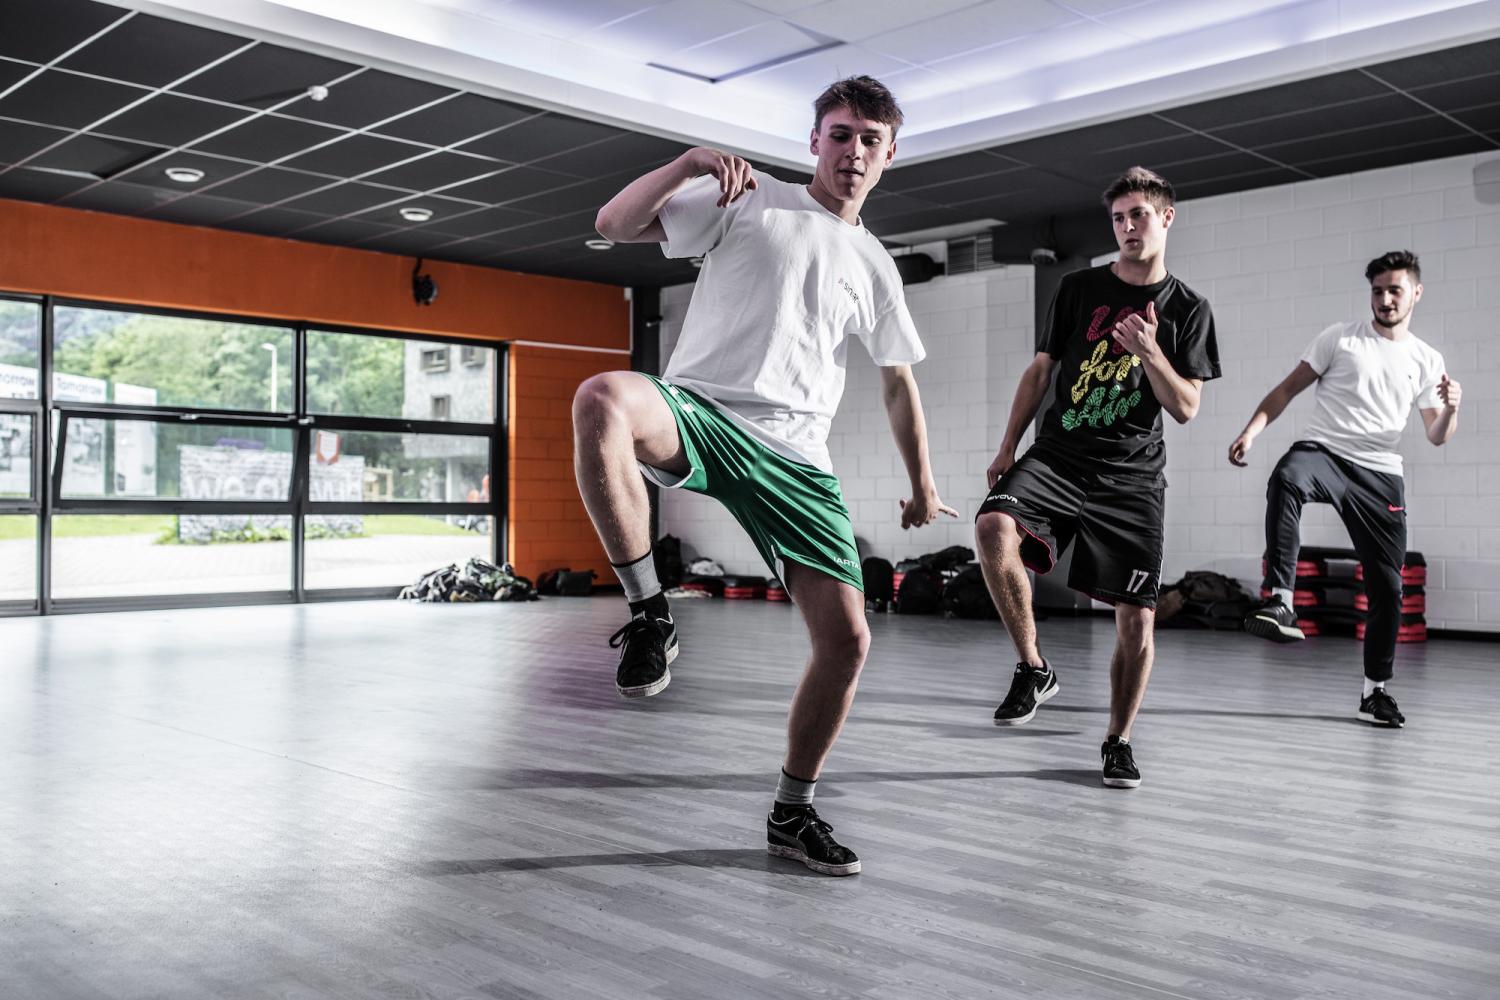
386 800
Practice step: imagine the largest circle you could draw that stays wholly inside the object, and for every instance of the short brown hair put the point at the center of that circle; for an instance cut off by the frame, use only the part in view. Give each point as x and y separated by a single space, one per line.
866 96
1396 260
1139 180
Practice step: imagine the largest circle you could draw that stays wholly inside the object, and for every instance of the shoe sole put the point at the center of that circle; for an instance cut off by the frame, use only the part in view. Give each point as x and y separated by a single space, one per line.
1041 700
1122 782
1266 628
1386 723
821 867
655 687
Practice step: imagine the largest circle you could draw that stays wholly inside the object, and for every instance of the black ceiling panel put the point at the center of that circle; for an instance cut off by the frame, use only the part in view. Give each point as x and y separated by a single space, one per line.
970 189
577 226
1485 119
267 138
951 168
168 120
588 194
624 152
1392 155
346 199
265 75
38 185
1363 140
342 232
57 98
12 73
270 185
19 140
436 170
1050 150
354 155
214 169
419 243
152 51
486 220
881 206
42 30
121 197
370 97
518 182
275 221
1438 67
1238 182
454 120
96 156
785 174
202 210
1314 122
1227 164
539 137
442 208
1287 98
1456 96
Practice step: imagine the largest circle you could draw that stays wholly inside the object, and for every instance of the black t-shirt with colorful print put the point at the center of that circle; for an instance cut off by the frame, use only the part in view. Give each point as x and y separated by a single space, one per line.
1104 416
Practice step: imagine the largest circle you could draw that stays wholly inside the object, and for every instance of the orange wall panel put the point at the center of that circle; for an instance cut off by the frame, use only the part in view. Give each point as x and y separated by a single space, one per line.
68 252
549 527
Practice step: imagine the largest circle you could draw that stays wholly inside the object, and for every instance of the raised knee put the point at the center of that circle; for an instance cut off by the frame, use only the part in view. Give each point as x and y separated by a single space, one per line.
997 534
597 400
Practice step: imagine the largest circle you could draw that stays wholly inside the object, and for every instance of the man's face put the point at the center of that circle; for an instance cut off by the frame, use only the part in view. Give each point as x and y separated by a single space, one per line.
1393 295
1140 230
852 153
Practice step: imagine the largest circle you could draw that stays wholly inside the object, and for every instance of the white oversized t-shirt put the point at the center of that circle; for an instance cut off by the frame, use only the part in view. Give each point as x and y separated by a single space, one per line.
784 284
1366 387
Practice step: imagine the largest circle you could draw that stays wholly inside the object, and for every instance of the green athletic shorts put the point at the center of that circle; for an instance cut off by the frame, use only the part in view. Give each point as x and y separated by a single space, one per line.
791 510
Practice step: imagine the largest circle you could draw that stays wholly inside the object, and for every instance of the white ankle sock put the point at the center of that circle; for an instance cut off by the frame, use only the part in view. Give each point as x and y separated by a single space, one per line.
1370 686
1283 594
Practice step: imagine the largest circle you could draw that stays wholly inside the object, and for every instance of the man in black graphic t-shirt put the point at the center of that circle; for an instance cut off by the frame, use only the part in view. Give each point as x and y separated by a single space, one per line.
1124 342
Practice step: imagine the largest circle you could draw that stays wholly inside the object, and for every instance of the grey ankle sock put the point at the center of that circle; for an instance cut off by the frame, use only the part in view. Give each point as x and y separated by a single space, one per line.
638 577
1282 594
792 791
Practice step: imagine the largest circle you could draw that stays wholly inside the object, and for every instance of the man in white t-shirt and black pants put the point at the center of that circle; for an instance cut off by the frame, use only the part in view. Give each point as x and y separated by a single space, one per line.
743 411
1369 375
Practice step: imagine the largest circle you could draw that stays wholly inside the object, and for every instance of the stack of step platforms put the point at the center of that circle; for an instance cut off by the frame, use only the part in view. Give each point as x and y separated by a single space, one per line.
744 588
1329 596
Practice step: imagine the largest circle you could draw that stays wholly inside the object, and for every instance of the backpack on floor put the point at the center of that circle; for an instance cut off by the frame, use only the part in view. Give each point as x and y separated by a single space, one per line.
966 596
920 594
666 554
879 578
1204 599
947 559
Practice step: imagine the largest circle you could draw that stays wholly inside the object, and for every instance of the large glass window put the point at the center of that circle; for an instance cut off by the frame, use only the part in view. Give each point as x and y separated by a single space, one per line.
145 359
17 557
20 342
176 460
135 555
390 550
384 467
15 456
359 375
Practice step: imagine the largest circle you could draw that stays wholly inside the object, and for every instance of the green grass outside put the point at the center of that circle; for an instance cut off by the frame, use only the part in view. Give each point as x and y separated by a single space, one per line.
18 526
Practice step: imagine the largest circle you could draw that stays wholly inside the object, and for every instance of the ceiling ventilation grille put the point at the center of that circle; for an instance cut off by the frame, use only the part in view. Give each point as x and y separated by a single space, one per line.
971 253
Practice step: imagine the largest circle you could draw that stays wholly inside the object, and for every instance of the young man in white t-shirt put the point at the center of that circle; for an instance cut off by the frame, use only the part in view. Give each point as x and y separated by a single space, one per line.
1369 375
743 411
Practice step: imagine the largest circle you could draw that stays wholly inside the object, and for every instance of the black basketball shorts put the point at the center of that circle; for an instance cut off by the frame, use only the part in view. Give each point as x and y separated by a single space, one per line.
1116 521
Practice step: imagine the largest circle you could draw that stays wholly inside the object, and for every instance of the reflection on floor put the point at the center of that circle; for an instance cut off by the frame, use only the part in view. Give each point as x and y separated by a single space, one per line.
378 799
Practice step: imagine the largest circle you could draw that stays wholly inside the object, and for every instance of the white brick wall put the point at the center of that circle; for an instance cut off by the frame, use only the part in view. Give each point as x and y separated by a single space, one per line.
978 332
1302 251
1278 264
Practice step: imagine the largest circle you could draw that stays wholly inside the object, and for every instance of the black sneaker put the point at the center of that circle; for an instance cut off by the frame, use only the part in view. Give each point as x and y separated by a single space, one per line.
1029 687
1379 709
1119 764
1271 619
803 837
647 644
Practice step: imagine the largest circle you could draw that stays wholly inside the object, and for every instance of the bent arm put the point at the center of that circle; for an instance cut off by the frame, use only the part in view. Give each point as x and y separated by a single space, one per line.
1441 423
1028 399
631 215
1179 396
1278 398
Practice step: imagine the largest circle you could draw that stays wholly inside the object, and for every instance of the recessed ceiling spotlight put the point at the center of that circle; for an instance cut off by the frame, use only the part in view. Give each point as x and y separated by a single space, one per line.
185 175
599 243
318 92
416 213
